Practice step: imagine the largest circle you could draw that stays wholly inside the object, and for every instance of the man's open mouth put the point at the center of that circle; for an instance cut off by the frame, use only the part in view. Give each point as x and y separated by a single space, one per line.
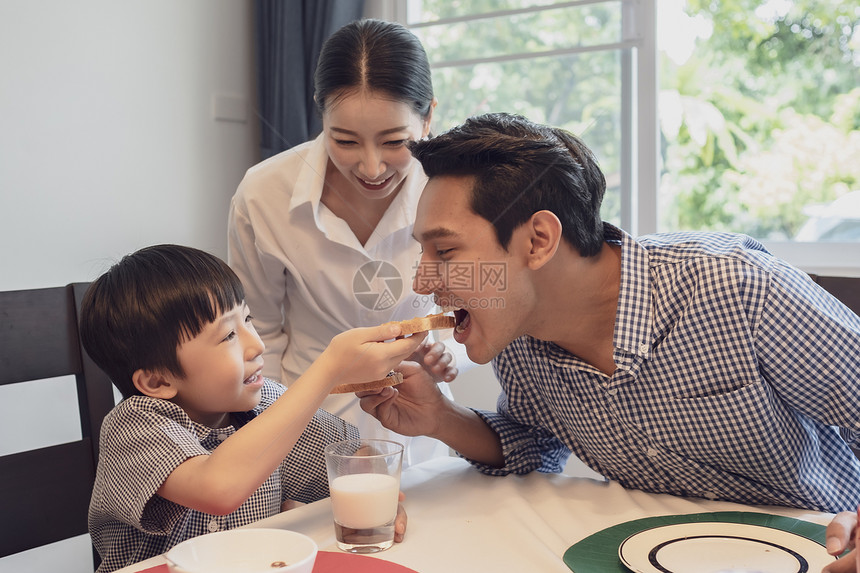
461 317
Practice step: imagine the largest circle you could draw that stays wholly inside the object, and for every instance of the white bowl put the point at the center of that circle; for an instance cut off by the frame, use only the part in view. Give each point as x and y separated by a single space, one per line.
244 551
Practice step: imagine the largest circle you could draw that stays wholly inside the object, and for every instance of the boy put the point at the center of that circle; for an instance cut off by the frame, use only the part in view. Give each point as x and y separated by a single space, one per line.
201 441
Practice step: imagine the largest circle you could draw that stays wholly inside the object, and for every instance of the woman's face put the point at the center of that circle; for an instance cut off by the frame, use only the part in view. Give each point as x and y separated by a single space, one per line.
366 136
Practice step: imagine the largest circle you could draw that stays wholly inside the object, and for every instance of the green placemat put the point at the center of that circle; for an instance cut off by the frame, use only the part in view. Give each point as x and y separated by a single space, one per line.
598 553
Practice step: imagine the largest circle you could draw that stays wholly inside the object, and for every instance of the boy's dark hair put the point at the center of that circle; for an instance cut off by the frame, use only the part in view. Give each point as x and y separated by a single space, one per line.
519 168
138 313
375 55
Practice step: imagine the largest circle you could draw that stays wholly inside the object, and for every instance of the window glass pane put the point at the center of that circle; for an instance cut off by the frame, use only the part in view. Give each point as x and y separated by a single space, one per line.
760 116
427 10
518 33
578 92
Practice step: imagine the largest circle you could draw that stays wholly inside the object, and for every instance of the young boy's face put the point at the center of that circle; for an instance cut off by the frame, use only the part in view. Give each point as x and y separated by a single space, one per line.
222 366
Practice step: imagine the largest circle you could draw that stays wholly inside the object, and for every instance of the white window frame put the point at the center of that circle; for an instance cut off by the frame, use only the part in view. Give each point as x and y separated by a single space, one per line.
640 141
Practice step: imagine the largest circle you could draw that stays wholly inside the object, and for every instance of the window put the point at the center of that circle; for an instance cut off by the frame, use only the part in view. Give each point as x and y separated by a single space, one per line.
758 128
760 118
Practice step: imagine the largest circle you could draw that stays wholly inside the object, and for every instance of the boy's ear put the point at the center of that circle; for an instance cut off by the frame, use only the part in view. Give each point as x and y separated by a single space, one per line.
545 234
154 384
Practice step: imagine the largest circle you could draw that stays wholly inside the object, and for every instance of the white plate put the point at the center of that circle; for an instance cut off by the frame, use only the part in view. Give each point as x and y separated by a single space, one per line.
718 547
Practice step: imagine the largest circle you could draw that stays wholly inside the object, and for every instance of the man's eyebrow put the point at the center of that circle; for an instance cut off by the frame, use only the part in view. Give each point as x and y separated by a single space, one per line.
383 132
437 233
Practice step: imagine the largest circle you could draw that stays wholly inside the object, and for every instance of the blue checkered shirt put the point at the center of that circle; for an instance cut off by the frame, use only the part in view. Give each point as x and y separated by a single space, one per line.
737 378
143 439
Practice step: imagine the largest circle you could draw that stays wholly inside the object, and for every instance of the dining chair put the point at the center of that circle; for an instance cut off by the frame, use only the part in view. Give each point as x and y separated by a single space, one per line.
846 289
45 492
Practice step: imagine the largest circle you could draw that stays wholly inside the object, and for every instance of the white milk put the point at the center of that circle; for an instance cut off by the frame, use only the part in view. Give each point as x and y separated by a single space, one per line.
362 501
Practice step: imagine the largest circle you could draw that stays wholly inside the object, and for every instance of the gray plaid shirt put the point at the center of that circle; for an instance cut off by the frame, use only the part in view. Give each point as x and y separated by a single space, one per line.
144 439
735 374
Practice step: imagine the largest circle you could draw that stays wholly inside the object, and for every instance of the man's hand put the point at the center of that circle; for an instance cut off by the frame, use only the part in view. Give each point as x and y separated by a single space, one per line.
410 408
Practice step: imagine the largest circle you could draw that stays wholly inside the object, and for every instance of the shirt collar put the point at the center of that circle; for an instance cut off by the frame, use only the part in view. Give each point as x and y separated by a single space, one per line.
632 335
633 319
308 190
211 437
309 183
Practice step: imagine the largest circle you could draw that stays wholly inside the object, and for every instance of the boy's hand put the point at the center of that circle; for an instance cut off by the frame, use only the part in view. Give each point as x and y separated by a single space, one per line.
841 533
400 520
410 408
361 354
436 360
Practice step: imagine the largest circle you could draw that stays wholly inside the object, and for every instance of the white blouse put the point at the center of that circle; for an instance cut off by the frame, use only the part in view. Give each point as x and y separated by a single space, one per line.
308 278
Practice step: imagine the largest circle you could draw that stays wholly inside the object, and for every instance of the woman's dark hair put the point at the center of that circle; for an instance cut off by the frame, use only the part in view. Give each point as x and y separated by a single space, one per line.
519 168
377 56
138 313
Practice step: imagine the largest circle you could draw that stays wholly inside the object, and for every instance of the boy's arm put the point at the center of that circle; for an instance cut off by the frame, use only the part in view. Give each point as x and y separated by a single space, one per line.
219 483
417 407
303 471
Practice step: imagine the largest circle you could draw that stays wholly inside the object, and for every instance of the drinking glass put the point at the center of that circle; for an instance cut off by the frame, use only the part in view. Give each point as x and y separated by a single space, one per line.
364 480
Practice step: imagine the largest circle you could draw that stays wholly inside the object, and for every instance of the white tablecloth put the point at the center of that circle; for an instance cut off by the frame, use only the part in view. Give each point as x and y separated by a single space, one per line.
461 520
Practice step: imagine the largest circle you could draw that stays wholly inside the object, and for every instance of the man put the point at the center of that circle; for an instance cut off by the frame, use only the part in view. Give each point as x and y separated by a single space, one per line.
695 364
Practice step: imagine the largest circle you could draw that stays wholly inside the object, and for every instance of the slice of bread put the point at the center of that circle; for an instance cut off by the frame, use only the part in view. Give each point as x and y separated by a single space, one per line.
429 322
393 379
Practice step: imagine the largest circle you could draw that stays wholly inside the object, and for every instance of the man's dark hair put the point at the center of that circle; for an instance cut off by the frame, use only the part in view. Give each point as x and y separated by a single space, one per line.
138 313
519 168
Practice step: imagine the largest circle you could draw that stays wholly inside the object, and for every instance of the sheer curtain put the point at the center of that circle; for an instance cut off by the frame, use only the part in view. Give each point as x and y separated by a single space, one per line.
289 35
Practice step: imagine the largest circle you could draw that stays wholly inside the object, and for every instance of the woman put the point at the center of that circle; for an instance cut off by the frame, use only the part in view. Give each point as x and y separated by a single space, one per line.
321 234
842 534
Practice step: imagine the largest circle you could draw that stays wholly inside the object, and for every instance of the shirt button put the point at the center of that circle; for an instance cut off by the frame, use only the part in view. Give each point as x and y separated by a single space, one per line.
221 437
652 452
644 348
612 391
213 526
710 495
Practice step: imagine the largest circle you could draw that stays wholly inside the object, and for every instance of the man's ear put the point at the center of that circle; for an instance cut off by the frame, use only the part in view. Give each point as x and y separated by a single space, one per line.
154 384
545 233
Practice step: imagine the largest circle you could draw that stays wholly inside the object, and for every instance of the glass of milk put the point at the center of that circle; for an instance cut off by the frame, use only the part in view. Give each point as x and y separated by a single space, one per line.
364 480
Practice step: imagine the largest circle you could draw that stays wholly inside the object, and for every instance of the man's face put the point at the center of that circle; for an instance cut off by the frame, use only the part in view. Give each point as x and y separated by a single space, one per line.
464 266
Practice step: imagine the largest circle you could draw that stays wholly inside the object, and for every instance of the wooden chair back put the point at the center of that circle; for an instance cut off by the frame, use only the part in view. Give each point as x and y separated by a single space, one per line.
45 493
846 289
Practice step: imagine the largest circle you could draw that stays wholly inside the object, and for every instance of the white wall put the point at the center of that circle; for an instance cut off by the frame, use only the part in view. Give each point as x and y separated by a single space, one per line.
107 144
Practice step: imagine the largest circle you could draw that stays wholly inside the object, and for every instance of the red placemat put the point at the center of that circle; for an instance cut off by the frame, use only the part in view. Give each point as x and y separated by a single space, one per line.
333 562
336 562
